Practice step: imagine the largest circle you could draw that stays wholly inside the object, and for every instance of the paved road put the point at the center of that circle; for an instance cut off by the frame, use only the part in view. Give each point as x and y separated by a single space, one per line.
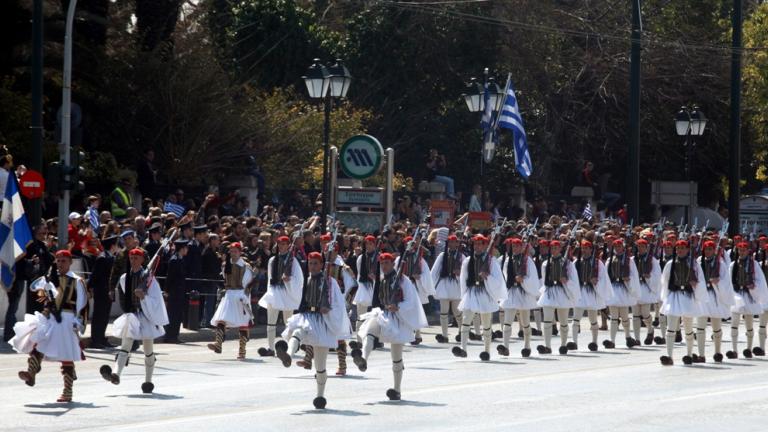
199 390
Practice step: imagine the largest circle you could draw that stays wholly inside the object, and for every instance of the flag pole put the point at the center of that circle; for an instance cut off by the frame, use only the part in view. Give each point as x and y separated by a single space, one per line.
503 101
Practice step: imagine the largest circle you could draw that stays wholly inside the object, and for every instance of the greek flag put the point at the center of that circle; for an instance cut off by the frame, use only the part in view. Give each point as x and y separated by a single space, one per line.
93 218
174 208
14 231
587 214
510 118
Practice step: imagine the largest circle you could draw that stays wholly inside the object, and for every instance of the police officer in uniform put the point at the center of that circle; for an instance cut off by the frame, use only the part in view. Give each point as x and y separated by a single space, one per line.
176 290
103 293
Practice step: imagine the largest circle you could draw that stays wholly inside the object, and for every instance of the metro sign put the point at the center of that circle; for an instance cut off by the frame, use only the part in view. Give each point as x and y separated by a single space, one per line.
361 156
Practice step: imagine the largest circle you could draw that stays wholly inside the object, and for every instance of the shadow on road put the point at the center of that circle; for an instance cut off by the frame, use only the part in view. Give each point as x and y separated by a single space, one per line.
404 402
328 411
155 396
60 408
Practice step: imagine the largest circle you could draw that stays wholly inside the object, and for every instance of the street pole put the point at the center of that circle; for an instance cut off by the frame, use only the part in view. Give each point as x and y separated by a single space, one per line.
688 156
66 110
734 177
36 163
633 174
326 150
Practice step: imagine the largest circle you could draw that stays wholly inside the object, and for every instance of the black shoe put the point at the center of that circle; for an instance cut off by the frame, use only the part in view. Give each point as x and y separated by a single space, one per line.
536 332
355 345
498 334
378 345
441 339
526 352
572 346
458 337
135 346
631 342
648 340
698 359
106 373
687 360
592 346
732 355
281 350
666 361
147 387
358 360
541 349
608 344
678 337
502 350
484 356
266 352
554 331
416 341
563 350
747 353
319 402
718 358
520 334
655 323
658 340
475 337
393 394
758 351
458 352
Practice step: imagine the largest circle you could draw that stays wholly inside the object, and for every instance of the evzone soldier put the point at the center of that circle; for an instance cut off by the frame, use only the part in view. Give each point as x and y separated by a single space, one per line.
445 273
595 291
625 282
394 319
234 310
761 334
682 291
750 294
522 283
717 305
143 318
320 323
482 289
53 334
541 254
284 285
559 292
668 252
416 269
367 273
649 274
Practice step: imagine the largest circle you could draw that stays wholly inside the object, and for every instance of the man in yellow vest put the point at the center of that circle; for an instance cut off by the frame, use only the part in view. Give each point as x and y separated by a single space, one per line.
120 198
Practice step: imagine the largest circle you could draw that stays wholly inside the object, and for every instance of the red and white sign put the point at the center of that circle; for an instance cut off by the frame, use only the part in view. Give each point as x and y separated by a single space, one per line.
442 213
32 184
480 220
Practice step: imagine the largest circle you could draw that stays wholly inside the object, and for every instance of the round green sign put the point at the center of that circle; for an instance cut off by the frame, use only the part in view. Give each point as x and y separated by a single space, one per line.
361 156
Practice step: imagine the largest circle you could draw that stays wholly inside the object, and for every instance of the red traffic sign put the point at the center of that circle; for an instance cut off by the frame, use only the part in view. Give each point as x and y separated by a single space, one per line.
32 184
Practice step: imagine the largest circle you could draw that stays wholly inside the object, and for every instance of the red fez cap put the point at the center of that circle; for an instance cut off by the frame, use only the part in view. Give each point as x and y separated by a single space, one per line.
586 243
480 238
325 237
681 243
453 237
709 244
618 242
743 245
737 238
370 238
407 239
386 256
554 243
543 242
315 256
515 241
667 243
285 239
136 251
650 235
642 242
236 245
762 237
64 253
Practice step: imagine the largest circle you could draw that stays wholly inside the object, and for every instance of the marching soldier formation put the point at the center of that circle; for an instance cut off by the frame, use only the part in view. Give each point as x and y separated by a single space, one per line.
370 290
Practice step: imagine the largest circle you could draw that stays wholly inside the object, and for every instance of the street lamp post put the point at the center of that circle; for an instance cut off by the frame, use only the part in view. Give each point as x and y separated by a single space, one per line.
475 100
689 123
327 83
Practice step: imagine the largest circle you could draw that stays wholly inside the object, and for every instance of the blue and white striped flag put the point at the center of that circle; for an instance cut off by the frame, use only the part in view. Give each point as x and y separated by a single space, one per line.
174 208
510 118
14 231
487 120
587 214
93 218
